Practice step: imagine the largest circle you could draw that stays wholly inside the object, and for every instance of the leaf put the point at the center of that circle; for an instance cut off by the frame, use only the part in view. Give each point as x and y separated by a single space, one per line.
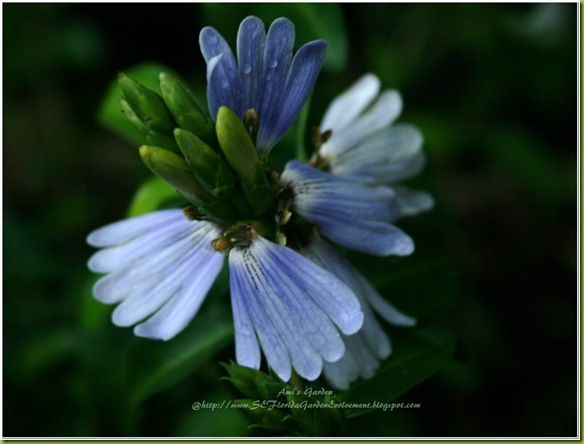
155 366
414 360
110 114
151 195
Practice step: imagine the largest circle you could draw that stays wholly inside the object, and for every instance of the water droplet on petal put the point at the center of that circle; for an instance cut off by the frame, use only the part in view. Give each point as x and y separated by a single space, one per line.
246 69
273 63
268 77
224 84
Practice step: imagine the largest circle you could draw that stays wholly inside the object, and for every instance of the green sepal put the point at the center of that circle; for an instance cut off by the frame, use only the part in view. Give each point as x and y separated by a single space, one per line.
209 168
242 155
185 109
154 138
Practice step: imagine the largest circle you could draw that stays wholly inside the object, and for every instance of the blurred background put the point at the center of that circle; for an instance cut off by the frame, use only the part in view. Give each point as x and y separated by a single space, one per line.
491 86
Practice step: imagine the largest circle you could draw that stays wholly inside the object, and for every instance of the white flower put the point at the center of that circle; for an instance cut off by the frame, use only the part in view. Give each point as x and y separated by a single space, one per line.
366 145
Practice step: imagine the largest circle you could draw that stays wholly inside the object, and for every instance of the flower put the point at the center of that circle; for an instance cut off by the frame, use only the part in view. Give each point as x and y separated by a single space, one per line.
265 78
160 267
291 307
350 213
370 344
365 144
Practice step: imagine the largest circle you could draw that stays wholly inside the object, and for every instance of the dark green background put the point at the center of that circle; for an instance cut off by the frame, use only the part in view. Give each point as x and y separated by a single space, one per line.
491 86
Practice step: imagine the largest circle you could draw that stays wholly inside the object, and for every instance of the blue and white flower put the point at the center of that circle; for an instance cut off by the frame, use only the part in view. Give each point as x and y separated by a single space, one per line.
265 77
370 344
291 308
351 213
160 267
365 144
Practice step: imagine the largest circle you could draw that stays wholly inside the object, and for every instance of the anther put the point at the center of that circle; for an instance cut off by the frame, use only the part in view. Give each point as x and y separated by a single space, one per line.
251 121
192 213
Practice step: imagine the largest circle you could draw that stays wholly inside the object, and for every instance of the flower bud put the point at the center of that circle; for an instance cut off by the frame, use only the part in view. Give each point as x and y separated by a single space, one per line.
154 138
209 168
184 109
174 170
242 155
147 105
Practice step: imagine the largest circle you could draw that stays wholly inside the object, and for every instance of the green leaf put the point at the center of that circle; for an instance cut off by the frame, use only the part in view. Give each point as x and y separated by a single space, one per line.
153 366
110 115
152 194
414 359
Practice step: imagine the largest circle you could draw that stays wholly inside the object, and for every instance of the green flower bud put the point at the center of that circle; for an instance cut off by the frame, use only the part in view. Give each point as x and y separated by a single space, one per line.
242 155
209 168
154 138
174 170
236 144
148 105
184 109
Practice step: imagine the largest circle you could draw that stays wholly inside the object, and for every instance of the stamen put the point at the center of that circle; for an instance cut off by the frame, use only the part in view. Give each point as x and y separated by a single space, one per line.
192 213
251 120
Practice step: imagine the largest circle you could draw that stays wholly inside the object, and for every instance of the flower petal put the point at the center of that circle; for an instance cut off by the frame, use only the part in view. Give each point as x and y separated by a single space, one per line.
127 229
412 202
303 73
383 112
245 289
224 88
251 42
390 155
350 213
340 374
117 256
140 304
344 109
291 298
174 316
247 348
277 57
386 310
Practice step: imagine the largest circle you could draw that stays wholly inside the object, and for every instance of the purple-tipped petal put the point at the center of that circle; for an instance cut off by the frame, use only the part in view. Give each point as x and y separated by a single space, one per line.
224 88
265 78
304 71
251 42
